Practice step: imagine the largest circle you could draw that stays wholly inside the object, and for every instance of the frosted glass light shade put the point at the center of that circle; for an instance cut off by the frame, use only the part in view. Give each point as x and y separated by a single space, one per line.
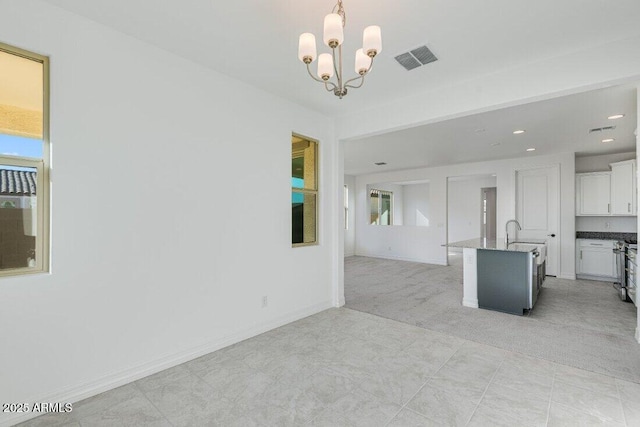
372 40
325 66
307 47
363 62
333 31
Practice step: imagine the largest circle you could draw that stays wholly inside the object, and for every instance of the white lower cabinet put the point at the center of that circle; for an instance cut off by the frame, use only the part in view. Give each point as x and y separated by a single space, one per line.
595 258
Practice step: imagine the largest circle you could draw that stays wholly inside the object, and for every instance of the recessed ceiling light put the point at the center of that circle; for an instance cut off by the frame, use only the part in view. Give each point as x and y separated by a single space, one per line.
380 163
531 149
495 144
518 132
608 140
616 116
479 130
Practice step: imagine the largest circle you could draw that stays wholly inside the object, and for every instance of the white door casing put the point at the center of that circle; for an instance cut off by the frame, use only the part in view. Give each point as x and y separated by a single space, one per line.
538 210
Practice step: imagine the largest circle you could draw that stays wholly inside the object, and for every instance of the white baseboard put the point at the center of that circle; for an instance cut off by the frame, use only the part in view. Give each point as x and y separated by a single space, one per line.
399 258
470 303
566 276
116 379
598 278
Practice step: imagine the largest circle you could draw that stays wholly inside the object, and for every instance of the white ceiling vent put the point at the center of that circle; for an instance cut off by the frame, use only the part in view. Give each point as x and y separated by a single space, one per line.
416 57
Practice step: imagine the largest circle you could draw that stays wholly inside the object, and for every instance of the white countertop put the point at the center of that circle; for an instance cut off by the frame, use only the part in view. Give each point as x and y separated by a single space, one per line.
498 245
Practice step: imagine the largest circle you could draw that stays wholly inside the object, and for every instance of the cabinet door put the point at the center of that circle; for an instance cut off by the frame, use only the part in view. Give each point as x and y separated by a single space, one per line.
595 194
622 189
597 262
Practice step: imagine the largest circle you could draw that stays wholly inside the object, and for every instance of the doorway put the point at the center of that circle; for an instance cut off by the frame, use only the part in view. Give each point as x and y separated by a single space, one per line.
488 213
471 211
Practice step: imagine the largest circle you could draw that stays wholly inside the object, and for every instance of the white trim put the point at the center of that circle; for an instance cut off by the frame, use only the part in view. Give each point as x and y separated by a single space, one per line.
567 276
116 379
473 303
399 258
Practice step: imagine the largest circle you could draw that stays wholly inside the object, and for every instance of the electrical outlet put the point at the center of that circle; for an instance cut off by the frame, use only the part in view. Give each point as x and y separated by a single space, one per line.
607 225
265 301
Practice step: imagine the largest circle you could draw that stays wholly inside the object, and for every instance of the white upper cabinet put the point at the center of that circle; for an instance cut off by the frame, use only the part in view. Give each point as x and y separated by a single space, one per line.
608 193
623 188
594 193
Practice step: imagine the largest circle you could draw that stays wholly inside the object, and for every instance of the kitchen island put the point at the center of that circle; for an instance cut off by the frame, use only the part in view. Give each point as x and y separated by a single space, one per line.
501 277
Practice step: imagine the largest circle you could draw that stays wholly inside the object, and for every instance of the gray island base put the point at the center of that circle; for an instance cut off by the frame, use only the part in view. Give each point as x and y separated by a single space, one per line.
500 277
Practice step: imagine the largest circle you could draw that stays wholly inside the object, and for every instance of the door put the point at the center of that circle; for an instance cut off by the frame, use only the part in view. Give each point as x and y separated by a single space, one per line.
538 210
488 213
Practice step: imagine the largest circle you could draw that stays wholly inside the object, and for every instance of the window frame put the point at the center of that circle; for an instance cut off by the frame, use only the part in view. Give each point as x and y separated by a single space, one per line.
379 194
42 166
314 191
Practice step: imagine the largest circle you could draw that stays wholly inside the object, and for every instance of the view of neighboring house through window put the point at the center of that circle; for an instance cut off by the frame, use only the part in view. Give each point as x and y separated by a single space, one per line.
304 191
24 162
381 207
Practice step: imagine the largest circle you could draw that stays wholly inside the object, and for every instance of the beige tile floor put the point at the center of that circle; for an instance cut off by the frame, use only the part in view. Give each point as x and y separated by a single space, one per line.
346 368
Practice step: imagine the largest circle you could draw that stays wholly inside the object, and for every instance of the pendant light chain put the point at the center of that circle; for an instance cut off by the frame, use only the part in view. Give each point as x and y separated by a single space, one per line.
330 65
339 9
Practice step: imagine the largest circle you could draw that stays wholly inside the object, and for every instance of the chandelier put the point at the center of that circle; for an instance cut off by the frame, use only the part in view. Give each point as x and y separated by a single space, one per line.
330 64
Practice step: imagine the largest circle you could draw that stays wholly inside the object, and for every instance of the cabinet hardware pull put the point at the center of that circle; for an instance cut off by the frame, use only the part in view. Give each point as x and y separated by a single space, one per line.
628 207
608 207
580 254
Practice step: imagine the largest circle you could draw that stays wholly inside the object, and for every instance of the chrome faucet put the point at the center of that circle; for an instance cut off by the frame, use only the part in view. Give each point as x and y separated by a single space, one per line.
506 230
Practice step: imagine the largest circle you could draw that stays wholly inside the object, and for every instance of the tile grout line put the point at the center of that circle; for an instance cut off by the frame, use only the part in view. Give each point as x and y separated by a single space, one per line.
421 387
553 383
624 413
137 386
484 392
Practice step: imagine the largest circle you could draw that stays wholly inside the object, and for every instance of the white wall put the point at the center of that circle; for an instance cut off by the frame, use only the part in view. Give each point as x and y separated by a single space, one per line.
601 163
415 209
350 233
638 186
464 199
618 224
424 244
164 256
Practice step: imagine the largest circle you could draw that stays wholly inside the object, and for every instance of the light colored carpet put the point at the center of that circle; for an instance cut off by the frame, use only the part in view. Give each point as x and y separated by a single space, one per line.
576 323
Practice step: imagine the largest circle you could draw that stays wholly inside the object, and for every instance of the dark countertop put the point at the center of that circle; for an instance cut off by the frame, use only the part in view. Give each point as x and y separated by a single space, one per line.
604 235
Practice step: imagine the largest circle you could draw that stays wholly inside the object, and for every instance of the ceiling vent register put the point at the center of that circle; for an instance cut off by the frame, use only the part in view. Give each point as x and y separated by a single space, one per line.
416 58
601 129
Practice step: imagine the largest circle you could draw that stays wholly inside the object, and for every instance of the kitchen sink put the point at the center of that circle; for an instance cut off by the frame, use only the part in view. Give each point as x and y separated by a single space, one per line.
523 246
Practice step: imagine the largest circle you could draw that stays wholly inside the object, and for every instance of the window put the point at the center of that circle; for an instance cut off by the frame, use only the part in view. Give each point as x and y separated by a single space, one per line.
304 191
24 162
381 207
346 207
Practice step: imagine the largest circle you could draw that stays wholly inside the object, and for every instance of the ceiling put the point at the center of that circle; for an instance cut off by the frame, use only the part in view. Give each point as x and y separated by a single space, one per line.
554 126
256 40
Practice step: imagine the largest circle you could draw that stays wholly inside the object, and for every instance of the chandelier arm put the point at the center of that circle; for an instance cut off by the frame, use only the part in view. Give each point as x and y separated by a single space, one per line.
330 89
312 76
359 77
352 86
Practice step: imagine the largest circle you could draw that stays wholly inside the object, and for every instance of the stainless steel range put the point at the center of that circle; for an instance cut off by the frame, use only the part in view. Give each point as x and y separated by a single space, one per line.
626 252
